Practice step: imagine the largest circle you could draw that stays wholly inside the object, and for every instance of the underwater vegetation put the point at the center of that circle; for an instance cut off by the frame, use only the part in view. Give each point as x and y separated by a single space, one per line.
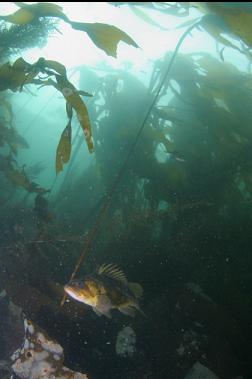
21 73
16 38
176 217
104 36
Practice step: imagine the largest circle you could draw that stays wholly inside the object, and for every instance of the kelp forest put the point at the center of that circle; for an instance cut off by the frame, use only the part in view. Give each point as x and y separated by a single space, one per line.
126 194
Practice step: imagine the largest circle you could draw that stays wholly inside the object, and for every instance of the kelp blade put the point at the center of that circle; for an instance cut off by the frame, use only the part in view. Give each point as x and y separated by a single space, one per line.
104 36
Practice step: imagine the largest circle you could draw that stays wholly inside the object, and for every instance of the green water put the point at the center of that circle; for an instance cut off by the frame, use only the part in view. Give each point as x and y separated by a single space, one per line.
166 193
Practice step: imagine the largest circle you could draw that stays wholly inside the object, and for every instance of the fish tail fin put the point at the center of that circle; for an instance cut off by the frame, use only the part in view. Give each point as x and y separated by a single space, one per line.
136 288
128 311
140 310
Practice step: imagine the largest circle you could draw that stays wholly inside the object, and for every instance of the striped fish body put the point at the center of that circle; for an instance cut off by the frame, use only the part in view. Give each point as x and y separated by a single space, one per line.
106 289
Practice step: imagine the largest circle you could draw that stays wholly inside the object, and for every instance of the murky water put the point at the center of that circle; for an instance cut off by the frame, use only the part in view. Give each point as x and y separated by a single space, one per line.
125 157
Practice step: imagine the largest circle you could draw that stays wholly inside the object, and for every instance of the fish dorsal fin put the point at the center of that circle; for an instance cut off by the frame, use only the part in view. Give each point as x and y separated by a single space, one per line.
136 288
113 271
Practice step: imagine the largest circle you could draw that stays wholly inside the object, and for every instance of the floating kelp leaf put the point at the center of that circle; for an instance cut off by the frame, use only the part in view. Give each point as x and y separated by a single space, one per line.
241 25
20 64
129 3
167 113
176 174
83 93
10 78
169 146
188 23
20 17
12 138
238 138
143 16
221 80
21 73
161 137
216 72
216 26
34 187
19 178
179 9
232 20
44 9
44 83
46 66
222 7
6 110
64 148
16 76
69 110
30 71
29 12
56 66
73 98
104 36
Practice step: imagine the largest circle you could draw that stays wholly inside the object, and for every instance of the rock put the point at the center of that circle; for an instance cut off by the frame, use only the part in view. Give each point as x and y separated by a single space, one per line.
4 369
198 371
125 342
40 357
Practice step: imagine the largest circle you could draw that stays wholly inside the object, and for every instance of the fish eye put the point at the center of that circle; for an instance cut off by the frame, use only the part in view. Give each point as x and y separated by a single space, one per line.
77 282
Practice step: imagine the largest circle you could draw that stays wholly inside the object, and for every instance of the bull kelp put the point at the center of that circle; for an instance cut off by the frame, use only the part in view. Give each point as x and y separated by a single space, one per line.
126 190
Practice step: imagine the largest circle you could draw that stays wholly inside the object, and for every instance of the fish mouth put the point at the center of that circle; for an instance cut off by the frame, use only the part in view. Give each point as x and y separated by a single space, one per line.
77 293
72 292
67 288
82 295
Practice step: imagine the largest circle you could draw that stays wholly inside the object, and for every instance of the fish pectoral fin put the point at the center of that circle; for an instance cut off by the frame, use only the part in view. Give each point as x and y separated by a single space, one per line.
142 312
104 305
100 313
104 312
136 306
128 311
108 314
97 312
103 301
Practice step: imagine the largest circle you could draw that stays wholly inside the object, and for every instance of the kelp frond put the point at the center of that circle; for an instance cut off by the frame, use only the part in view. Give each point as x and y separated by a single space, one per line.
15 38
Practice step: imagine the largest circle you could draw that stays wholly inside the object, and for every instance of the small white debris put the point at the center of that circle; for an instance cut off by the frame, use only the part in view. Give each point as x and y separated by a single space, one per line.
3 293
195 288
26 344
56 357
181 349
28 326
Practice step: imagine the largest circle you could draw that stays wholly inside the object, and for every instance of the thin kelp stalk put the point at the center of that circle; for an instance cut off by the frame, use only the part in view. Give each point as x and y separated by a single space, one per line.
94 230
31 123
